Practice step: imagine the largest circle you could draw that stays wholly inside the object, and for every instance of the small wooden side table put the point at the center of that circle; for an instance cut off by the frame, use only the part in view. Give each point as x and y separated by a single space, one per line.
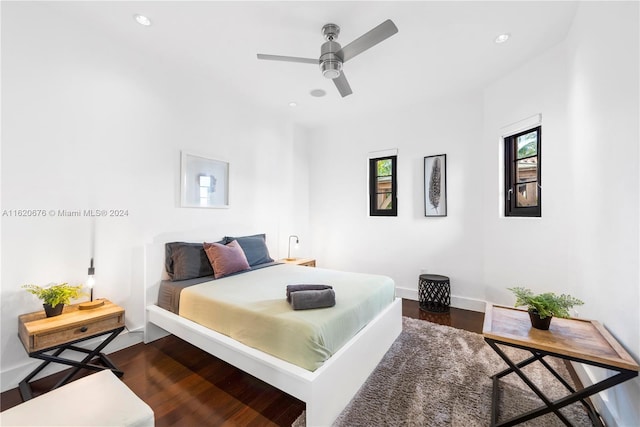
577 340
307 262
40 335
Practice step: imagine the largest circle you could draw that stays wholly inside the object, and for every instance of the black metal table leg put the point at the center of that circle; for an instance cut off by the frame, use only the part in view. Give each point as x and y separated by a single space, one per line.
549 406
84 364
494 401
573 397
25 387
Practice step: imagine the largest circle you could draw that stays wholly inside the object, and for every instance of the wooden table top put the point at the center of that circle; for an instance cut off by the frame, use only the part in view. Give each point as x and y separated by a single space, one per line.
583 339
38 322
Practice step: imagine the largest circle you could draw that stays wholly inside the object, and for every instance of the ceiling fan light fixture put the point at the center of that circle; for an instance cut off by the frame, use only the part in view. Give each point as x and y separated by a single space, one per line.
331 69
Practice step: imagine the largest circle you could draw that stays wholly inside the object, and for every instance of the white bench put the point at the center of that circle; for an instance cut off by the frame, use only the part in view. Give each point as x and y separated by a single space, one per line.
99 399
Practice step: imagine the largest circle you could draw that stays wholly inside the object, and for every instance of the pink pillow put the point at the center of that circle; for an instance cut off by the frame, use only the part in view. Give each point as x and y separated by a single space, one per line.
226 259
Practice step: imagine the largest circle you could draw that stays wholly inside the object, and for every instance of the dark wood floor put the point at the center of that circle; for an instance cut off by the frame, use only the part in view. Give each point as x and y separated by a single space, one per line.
187 387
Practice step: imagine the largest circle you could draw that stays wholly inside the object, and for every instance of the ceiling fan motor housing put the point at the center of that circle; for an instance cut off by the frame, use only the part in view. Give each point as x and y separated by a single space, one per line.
330 63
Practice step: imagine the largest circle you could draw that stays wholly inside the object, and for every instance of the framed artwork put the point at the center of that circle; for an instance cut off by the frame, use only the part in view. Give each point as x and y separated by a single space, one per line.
435 185
204 182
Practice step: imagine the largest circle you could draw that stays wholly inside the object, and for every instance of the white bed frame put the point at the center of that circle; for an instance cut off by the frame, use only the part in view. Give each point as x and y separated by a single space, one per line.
326 391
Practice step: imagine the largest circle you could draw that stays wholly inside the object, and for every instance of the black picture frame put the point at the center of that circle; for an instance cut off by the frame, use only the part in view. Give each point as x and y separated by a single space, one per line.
435 185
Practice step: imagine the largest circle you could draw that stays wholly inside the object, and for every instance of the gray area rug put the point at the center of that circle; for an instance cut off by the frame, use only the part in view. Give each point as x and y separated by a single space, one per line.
435 375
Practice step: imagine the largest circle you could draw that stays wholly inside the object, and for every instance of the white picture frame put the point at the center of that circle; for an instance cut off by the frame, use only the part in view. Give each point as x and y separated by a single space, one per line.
204 182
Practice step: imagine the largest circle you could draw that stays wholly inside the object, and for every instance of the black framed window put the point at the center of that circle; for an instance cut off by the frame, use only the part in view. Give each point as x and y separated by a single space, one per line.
383 197
522 165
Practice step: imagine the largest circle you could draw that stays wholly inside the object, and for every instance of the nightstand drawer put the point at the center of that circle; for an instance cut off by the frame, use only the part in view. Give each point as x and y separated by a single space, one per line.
75 332
38 332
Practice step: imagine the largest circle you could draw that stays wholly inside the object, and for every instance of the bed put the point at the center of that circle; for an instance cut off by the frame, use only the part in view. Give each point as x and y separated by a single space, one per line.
326 385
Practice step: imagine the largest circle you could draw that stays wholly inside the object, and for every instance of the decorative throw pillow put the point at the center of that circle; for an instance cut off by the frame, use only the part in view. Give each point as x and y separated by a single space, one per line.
254 247
186 261
226 259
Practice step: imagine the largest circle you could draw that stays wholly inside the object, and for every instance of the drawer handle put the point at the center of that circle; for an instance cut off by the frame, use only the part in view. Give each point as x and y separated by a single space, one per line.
84 329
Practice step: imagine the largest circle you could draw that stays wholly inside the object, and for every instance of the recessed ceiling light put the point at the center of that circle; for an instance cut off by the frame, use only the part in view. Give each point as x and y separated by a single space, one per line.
142 20
502 38
293 104
318 93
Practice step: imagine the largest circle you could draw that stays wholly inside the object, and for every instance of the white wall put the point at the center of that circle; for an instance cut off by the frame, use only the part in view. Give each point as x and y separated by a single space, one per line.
346 237
604 121
586 242
89 123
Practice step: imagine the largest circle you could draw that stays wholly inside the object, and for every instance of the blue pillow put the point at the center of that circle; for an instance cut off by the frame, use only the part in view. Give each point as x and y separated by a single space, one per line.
254 247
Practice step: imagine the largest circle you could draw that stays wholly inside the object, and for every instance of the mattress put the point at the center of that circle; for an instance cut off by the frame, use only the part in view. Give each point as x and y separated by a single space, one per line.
252 309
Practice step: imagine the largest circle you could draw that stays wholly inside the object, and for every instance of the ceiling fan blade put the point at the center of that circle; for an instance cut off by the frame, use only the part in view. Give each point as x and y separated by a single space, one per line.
343 85
288 59
368 40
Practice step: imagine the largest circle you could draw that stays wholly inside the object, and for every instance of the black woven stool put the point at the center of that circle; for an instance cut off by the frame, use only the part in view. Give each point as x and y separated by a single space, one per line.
434 293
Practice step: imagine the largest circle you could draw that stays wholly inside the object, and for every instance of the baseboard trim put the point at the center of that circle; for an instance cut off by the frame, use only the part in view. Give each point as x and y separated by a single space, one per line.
471 304
10 378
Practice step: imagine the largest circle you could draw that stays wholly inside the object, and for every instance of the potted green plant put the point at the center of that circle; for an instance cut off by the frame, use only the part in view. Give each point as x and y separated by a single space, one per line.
542 307
54 297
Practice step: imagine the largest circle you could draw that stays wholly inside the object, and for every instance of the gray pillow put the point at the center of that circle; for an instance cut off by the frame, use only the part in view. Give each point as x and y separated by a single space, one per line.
254 247
186 261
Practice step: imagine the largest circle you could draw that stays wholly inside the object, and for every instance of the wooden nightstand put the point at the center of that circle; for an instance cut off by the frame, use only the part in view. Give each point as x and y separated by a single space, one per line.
40 335
307 262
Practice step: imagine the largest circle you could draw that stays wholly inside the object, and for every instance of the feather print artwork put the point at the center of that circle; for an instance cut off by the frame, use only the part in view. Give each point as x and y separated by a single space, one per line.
434 184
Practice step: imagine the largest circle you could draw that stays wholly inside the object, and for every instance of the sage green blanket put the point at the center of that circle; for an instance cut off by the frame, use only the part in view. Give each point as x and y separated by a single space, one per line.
252 309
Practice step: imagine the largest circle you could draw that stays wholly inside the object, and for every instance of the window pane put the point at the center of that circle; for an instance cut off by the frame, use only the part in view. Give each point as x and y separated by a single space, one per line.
384 167
384 201
527 194
527 169
383 184
204 196
527 145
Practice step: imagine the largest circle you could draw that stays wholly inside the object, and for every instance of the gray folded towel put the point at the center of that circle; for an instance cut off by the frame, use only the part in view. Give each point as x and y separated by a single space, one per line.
295 288
304 300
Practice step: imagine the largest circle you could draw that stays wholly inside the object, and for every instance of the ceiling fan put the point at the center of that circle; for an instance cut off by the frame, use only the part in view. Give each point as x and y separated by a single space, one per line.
332 55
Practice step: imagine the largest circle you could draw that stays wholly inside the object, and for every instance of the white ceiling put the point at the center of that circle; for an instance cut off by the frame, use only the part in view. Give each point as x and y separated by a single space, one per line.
442 48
